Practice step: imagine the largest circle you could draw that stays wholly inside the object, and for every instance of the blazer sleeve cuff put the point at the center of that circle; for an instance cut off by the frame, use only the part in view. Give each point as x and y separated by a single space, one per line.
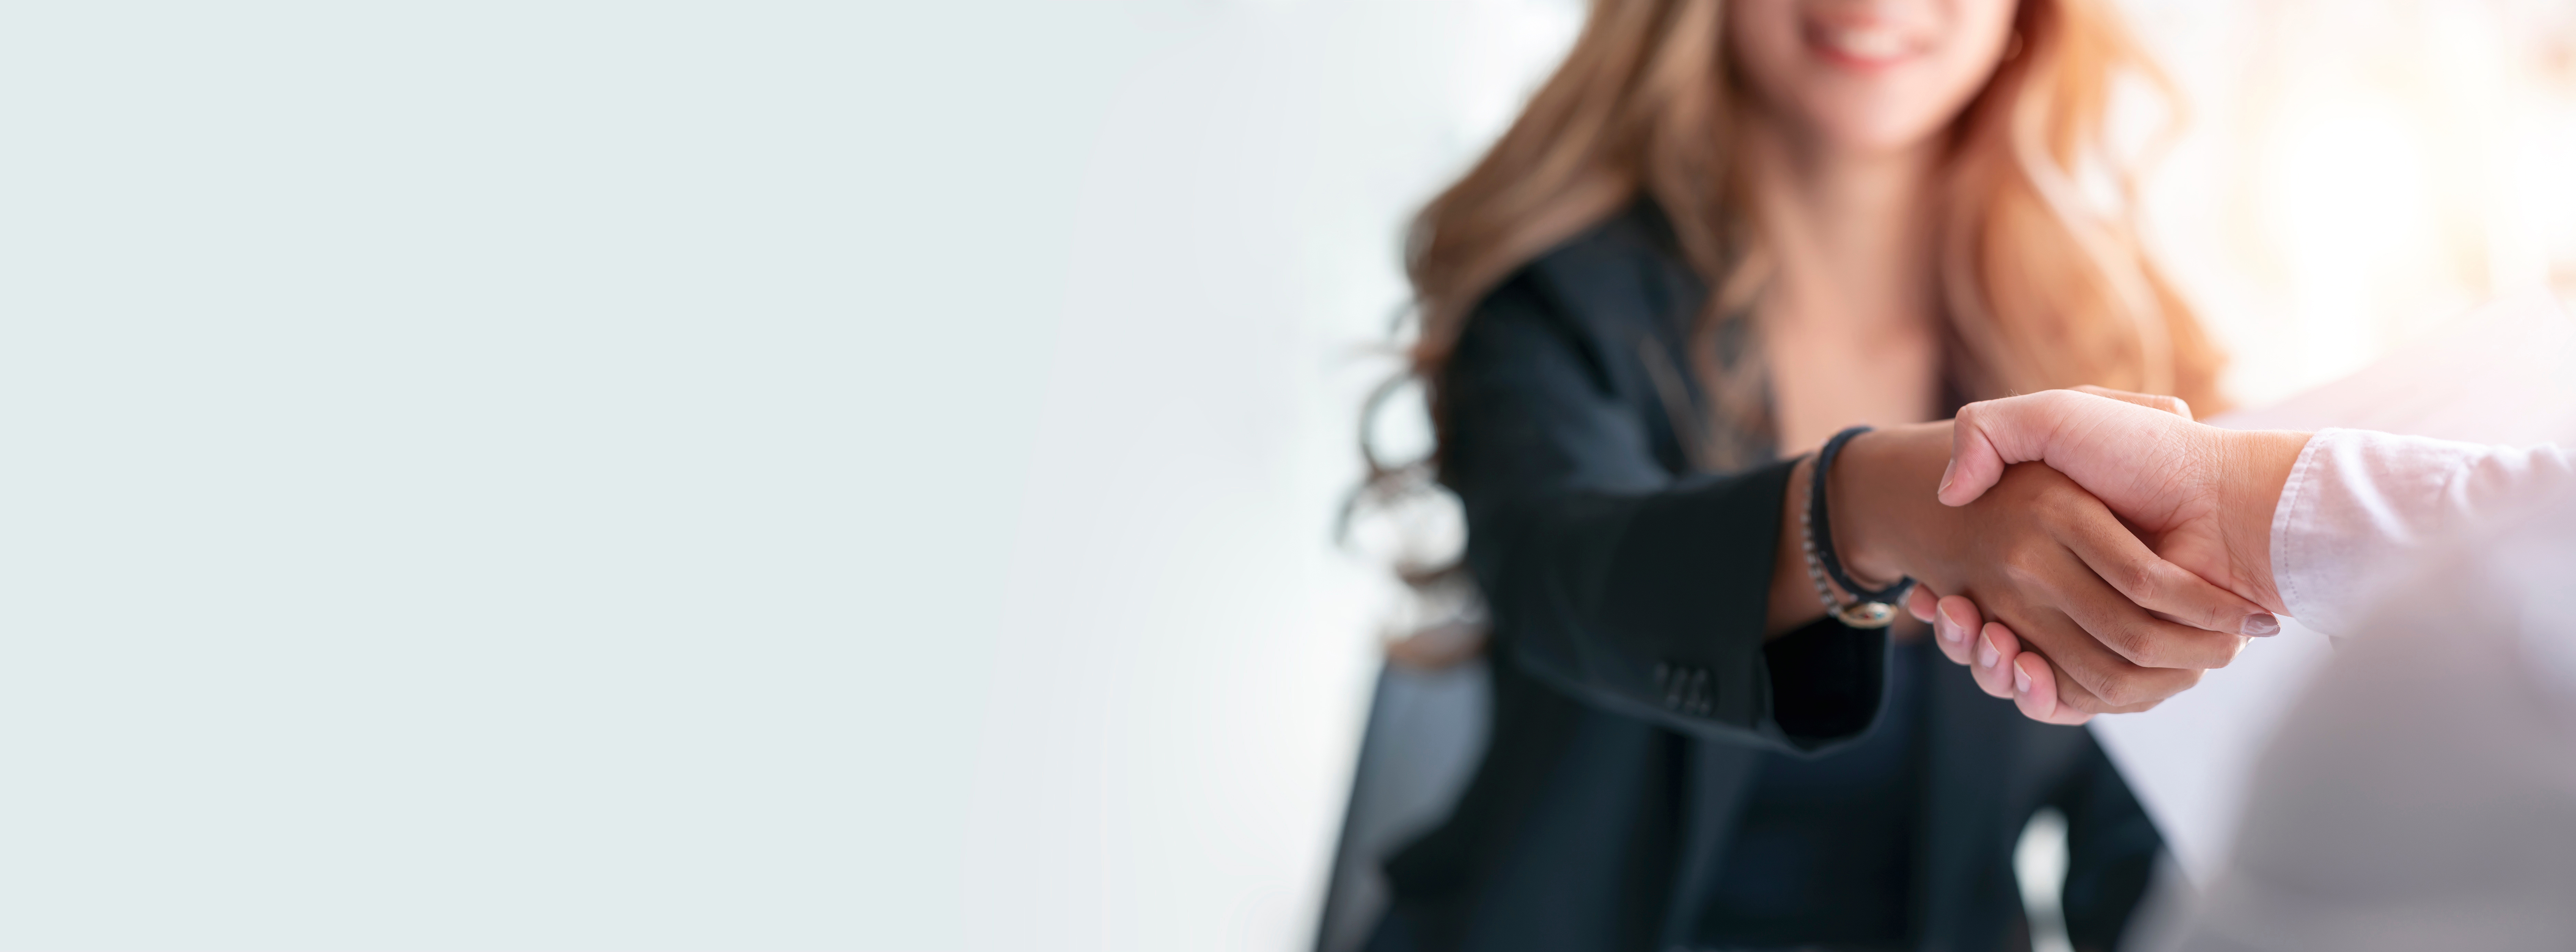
1691 582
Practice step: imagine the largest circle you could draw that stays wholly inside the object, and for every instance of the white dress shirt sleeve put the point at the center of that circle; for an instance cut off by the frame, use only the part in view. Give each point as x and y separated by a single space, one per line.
2360 505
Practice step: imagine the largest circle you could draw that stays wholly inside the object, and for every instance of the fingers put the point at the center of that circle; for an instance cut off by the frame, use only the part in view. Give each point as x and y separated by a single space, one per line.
2058 602
1995 650
2032 684
2001 667
2151 583
2094 677
2172 405
2035 693
1959 631
2021 676
1954 621
1951 618
2073 695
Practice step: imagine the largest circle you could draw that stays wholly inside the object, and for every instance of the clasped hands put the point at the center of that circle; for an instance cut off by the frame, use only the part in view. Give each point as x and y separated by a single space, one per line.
2100 550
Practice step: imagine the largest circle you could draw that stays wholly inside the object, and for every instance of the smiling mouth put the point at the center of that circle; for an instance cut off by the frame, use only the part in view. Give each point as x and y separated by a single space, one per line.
1866 46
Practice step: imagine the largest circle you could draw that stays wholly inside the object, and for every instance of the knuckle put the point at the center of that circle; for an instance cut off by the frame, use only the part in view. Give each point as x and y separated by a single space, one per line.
2061 503
2142 648
2112 689
2045 497
2138 580
2034 553
2023 567
2121 689
2081 703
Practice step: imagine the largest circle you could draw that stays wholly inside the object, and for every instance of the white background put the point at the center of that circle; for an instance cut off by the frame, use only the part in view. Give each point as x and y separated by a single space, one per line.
747 475
623 476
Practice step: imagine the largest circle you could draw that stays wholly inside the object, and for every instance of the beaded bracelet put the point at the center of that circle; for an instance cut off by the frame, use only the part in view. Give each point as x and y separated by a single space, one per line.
1870 608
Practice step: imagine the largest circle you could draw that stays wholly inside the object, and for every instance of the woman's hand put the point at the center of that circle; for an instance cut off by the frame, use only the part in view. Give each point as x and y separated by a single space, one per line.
2042 556
2000 666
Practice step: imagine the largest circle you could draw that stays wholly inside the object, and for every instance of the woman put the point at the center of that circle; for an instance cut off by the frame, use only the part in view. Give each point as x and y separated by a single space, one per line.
1720 234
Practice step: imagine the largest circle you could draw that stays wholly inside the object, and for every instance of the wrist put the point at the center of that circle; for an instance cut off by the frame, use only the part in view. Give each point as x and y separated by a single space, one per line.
1876 483
2257 468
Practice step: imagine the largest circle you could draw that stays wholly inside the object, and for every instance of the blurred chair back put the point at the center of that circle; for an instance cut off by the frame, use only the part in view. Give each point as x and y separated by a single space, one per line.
1426 732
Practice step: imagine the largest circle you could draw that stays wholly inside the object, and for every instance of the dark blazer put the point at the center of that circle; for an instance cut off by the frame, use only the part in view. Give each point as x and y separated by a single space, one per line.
1635 694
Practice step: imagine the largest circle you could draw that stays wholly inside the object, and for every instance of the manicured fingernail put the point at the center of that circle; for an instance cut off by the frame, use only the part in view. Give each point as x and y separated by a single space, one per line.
1945 477
1986 652
2021 680
2261 625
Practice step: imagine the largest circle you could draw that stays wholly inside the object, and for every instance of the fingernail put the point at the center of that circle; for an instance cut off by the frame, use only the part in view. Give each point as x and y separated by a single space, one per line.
2021 680
2261 625
1986 653
1951 630
1945 476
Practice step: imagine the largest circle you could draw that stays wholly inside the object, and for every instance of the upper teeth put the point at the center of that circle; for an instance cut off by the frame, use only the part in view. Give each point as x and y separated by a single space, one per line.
1867 43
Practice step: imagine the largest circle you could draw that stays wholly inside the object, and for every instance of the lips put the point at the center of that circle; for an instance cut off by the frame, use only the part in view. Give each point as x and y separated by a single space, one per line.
1863 45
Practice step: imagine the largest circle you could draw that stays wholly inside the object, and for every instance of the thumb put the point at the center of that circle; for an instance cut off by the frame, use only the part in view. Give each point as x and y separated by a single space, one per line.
1976 461
1991 434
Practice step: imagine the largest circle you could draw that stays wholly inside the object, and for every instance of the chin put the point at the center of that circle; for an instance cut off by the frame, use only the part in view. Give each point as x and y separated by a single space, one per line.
1876 131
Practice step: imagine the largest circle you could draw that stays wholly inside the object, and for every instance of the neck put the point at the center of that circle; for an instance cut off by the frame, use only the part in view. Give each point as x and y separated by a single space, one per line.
1851 233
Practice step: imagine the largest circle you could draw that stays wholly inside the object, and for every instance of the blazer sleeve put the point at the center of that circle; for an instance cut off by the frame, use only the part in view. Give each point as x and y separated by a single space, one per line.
1609 577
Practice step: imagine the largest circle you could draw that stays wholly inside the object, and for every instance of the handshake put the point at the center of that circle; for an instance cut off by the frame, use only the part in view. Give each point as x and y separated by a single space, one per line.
2098 552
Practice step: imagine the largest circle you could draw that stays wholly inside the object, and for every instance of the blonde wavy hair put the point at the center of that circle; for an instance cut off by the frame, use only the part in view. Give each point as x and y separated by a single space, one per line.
2042 285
